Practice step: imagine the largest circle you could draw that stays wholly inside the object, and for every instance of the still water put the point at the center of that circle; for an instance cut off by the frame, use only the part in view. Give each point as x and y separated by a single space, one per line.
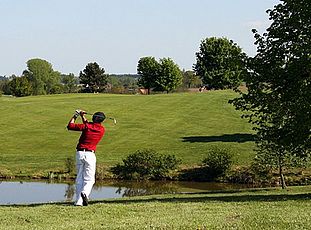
32 192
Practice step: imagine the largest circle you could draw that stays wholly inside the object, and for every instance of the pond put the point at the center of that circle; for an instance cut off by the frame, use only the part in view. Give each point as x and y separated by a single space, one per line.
33 192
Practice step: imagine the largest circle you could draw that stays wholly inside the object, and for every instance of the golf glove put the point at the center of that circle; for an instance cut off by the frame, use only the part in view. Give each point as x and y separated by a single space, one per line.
77 113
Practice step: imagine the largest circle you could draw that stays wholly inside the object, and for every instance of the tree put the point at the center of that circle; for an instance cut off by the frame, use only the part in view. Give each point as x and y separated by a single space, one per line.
169 77
69 83
41 76
220 63
94 78
278 100
20 86
4 85
148 69
190 79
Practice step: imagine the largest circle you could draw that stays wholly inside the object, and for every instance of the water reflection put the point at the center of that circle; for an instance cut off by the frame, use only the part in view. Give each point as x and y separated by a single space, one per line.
146 188
70 192
127 189
28 192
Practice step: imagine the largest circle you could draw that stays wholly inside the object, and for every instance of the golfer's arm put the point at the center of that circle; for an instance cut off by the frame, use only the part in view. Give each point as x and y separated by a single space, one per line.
72 120
77 127
83 118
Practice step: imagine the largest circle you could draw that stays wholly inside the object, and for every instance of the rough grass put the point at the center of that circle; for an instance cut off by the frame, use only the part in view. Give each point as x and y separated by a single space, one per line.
248 209
34 139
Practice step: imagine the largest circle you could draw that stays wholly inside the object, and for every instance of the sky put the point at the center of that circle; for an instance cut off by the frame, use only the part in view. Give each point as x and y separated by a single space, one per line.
69 34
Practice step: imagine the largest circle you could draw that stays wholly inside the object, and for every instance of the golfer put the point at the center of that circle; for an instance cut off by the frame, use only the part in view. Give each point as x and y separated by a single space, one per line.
92 132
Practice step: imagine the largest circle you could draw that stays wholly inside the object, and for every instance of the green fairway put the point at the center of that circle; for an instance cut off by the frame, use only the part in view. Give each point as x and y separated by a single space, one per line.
34 136
257 209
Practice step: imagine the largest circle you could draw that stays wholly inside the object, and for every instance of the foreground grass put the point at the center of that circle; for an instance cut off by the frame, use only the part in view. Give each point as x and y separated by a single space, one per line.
34 138
257 209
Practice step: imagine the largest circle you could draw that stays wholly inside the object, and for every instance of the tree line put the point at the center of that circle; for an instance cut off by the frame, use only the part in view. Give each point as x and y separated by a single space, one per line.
219 65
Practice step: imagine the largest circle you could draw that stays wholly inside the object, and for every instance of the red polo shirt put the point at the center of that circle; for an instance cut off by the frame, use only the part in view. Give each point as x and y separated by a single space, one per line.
92 133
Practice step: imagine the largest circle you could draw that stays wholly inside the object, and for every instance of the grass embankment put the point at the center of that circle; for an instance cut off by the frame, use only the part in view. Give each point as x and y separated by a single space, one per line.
257 209
34 139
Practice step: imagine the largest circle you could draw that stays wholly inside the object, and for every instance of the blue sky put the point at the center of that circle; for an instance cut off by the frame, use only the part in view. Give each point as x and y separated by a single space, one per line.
117 33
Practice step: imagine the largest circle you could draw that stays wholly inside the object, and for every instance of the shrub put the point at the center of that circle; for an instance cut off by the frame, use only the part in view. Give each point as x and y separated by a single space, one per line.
146 164
257 172
242 175
193 174
216 163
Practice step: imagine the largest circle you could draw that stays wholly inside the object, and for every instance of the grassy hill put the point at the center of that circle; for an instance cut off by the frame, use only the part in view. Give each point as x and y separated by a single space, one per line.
34 138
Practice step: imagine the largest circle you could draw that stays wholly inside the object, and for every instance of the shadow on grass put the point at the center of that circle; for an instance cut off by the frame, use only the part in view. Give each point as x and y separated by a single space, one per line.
237 137
221 196
228 198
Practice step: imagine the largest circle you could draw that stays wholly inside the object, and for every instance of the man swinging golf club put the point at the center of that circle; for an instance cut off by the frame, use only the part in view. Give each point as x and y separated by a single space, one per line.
92 132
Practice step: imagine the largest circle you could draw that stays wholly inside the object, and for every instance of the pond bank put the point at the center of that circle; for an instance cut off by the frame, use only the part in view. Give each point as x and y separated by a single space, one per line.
238 175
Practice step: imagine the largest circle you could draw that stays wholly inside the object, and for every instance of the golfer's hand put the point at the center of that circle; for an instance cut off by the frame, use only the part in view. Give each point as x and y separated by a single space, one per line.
77 113
82 113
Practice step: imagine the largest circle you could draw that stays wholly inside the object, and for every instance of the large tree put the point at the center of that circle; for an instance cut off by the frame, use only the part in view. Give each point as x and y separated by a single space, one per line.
148 70
170 76
93 78
278 99
220 63
42 77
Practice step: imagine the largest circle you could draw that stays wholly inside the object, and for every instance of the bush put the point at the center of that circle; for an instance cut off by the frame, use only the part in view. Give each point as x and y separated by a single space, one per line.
146 164
216 163
193 174
243 175
258 172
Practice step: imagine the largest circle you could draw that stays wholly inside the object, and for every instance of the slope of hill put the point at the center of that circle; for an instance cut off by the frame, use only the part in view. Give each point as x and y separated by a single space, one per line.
34 136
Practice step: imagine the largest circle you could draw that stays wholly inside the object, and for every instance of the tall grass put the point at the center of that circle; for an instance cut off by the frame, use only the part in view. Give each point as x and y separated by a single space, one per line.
34 138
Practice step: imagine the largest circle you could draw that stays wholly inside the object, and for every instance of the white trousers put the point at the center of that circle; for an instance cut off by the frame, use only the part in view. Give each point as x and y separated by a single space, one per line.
86 166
